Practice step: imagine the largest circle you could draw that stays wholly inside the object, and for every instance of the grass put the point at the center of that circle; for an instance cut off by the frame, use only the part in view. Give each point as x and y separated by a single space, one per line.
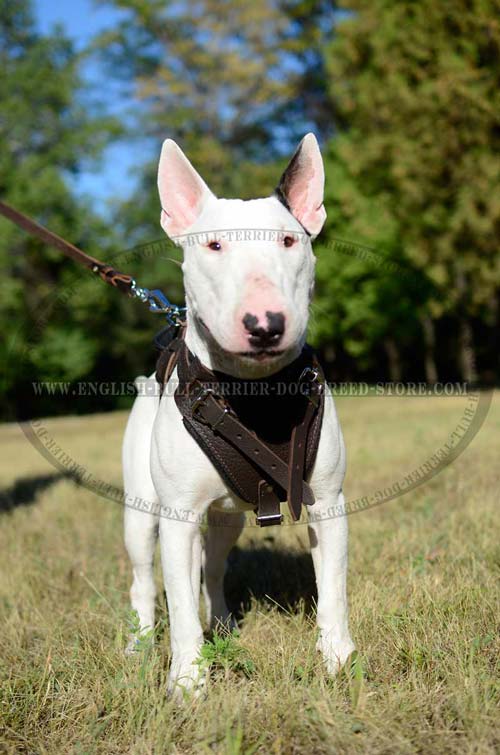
423 594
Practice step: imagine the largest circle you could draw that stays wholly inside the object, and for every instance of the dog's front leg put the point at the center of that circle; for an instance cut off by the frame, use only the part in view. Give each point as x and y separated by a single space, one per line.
222 533
328 538
181 564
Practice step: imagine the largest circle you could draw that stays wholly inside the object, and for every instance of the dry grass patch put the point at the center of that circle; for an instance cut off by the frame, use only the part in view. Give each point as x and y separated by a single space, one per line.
423 595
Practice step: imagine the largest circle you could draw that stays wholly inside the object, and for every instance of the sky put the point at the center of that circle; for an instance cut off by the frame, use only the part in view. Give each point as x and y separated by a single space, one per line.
80 18
113 177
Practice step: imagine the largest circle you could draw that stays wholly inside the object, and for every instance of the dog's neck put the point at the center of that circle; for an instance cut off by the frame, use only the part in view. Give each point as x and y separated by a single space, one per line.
202 345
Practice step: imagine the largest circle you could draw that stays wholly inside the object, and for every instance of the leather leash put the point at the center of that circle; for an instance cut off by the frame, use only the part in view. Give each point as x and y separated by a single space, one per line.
108 274
126 284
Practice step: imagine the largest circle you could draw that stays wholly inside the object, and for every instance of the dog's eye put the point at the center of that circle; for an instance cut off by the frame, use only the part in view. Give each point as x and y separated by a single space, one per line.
288 241
215 246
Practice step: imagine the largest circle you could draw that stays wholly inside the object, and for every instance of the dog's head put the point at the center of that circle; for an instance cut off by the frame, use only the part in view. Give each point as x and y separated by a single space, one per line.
248 265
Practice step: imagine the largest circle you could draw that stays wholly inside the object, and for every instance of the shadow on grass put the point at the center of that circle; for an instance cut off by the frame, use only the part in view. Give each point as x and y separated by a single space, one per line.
276 577
24 491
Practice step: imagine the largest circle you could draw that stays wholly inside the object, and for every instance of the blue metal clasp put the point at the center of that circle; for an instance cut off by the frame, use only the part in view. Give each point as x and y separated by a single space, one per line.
159 303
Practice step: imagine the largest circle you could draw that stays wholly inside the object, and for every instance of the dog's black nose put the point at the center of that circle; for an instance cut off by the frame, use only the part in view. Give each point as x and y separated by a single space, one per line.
268 337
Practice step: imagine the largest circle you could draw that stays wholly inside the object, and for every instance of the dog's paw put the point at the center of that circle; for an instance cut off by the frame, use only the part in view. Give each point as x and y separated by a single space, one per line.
186 682
138 643
335 652
132 647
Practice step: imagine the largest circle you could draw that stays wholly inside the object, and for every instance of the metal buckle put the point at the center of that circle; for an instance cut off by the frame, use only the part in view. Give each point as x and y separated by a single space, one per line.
268 520
200 400
309 375
312 378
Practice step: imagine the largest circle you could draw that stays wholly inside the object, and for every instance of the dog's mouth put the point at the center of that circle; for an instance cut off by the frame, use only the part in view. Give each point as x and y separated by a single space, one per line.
259 356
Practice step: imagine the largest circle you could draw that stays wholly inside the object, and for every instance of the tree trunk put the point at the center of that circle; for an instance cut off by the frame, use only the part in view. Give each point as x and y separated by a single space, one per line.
394 359
467 355
431 373
491 374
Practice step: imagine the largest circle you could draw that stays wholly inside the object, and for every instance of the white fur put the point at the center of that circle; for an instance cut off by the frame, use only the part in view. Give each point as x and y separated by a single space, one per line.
162 463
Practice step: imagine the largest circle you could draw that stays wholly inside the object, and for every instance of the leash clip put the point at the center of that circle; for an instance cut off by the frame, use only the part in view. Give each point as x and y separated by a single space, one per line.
159 303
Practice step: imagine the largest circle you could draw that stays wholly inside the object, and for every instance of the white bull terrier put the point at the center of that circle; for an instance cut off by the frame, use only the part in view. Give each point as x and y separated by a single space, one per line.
228 276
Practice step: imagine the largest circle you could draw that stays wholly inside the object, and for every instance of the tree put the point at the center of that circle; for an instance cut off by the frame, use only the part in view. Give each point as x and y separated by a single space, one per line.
46 133
237 84
366 293
416 88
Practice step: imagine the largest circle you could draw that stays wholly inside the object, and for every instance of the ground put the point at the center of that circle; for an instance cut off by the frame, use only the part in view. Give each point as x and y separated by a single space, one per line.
423 594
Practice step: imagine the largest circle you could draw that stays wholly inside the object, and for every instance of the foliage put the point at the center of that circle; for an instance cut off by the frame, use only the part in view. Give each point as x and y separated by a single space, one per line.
223 651
237 84
45 135
416 88
406 99
367 293
229 80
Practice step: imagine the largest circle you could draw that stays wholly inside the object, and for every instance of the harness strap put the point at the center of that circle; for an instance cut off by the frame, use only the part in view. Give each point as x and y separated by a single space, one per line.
214 413
108 274
167 360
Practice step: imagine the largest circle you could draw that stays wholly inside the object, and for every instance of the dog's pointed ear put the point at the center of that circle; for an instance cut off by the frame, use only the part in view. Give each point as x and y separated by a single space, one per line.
302 185
183 192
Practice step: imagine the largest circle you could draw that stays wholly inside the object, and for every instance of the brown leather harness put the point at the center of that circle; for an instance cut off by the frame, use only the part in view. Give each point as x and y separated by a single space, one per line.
261 435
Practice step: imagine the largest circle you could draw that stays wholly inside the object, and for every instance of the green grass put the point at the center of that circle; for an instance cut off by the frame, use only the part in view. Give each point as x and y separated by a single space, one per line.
423 594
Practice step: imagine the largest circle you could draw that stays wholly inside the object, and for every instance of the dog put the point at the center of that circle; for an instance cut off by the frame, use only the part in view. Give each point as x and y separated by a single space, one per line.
248 284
